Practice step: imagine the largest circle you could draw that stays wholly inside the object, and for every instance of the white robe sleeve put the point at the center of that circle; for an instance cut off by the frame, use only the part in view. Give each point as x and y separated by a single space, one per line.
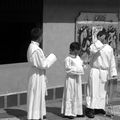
70 69
113 70
38 60
96 46
93 49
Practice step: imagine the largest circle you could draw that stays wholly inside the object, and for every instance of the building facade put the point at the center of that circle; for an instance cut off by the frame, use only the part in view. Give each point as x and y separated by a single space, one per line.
59 29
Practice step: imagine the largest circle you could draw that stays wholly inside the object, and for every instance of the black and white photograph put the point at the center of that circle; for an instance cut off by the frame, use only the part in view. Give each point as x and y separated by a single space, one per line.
60 60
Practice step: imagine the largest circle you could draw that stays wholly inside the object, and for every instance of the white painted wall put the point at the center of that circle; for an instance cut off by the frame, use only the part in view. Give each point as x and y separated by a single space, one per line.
13 78
57 37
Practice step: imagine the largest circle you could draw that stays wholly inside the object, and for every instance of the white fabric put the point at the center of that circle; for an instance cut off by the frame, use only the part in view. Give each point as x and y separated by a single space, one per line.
96 46
36 106
102 65
105 60
50 60
96 90
72 96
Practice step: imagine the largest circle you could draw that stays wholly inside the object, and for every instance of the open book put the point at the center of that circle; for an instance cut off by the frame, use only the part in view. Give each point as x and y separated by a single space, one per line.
51 59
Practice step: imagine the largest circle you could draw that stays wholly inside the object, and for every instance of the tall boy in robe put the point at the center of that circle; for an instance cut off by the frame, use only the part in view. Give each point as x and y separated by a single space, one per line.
36 105
102 65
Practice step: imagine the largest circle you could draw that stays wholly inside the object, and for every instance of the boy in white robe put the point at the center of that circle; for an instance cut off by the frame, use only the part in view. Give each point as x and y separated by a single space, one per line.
102 65
72 96
36 106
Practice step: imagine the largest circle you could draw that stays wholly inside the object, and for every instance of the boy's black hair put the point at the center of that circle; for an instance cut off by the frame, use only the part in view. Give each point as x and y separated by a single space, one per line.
100 33
74 46
36 33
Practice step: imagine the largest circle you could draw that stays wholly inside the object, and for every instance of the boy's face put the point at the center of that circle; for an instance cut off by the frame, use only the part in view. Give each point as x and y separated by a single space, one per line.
77 52
73 52
40 39
102 38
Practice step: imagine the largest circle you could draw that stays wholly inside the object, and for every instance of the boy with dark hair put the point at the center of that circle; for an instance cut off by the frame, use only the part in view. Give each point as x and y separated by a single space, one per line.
103 65
72 96
36 105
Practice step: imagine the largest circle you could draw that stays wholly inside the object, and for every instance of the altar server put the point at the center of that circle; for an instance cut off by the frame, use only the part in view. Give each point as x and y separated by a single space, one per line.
36 106
72 96
103 65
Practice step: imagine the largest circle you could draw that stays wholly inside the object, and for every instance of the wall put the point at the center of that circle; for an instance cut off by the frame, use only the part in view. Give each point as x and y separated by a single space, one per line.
58 33
13 78
59 28
14 83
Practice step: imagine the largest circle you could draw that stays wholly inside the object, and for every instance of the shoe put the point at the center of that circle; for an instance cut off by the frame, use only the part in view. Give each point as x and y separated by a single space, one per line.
90 113
81 115
96 111
102 111
69 117
44 117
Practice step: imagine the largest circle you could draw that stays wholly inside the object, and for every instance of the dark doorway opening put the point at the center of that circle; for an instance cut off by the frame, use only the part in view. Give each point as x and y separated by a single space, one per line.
18 17
14 40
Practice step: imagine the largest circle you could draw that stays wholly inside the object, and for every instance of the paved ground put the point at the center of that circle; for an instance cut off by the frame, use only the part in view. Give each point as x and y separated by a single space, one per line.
53 113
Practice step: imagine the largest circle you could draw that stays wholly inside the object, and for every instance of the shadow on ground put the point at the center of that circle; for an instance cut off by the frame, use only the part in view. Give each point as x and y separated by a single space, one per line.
57 110
54 110
21 114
